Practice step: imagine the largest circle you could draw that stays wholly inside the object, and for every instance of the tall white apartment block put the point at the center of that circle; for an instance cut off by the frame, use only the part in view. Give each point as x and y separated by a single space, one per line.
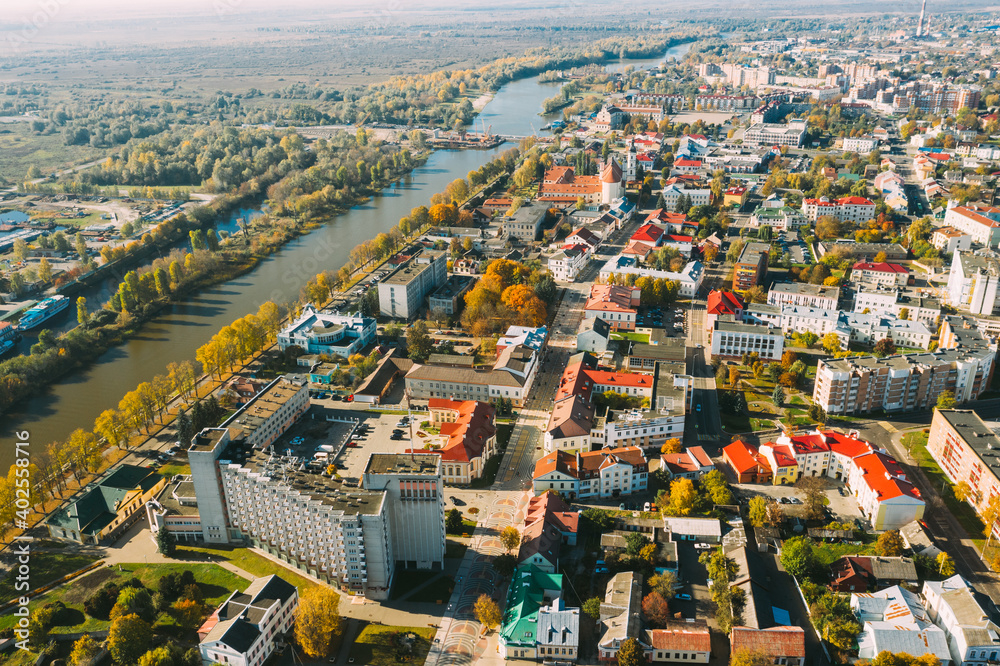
972 282
415 501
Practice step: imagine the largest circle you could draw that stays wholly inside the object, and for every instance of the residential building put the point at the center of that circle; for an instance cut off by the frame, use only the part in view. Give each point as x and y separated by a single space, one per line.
533 337
646 357
950 239
967 449
245 628
751 266
536 624
578 423
549 525
893 619
567 263
615 304
800 293
880 274
866 329
107 508
736 195
767 134
510 378
982 223
722 303
346 536
679 642
401 294
562 185
972 282
620 615
893 252
733 339
860 144
953 605
690 277
909 382
784 645
747 463
317 332
766 626
691 463
930 97
468 438
604 473
270 413
673 192
593 336
846 209
449 297
782 218
861 573
919 540
526 222
894 301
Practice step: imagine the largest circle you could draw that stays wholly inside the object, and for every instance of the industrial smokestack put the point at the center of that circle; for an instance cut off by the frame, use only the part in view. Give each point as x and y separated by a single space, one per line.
920 21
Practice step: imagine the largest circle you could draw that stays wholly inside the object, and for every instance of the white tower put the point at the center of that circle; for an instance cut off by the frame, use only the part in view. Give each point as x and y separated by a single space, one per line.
612 186
920 21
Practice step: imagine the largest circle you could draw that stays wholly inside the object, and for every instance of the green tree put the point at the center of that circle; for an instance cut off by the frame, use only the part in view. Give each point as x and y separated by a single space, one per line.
418 343
20 249
166 543
946 400
453 522
128 638
778 396
797 556
592 608
634 542
81 245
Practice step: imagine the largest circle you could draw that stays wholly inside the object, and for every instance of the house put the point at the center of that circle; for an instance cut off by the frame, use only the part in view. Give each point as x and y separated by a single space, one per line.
949 239
893 619
679 642
614 304
723 303
609 118
746 463
567 263
604 473
785 645
692 463
244 629
510 378
593 336
886 497
879 274
858 573
620 615
735 195
105 509
690 276
563 186
535 620
549 524
468 438
919 540
846 209
704 530
953 605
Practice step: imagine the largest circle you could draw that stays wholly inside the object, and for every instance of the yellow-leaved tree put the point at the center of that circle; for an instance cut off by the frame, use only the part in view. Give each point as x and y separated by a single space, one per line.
317 621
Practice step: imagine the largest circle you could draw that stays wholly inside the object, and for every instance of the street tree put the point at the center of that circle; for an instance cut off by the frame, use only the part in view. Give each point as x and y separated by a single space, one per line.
487 612
317 621
797 556
510 538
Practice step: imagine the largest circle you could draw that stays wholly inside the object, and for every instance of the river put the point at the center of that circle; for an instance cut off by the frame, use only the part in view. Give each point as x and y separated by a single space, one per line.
179 331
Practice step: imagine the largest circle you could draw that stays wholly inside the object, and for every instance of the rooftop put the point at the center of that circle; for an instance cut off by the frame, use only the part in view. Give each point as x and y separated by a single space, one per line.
398 463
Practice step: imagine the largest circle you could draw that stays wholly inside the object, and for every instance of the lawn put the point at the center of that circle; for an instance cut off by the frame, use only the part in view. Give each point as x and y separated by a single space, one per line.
379 645
249 561
963 511
828 553
215 582
174 469
45 568
734 423
630 335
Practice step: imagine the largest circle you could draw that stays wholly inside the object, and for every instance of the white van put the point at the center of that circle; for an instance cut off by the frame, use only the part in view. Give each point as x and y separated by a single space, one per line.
322 455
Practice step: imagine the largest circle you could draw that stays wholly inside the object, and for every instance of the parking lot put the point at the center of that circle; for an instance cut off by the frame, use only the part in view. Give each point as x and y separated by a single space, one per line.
665 318
842 507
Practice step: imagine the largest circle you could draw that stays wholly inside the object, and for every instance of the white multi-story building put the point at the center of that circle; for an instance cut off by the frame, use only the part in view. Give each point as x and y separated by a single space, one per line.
860 144
317 332
972 283
782 218
982 223
767 134
690 277
950 239
801 293
699 197
846 209
339 534
879 274
270 413
402 293
973 638
894 301
510 378
862 328
733 339
604 473
243 630
567 263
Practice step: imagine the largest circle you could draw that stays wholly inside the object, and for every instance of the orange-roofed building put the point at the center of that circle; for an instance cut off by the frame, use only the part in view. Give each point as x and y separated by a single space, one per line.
785 645
548 526
614 304
468 438
687 643
604 473
723 303
692 463
747 463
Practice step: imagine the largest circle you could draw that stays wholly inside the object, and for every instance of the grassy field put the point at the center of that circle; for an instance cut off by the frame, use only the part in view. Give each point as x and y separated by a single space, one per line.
20 148
629 335
215 582
173 469
379 645
249 561
45 568
828 553
962 511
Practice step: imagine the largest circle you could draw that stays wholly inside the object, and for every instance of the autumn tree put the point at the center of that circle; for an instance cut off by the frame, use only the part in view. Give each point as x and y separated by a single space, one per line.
672 445
44 270
890 544
884 347
85 649
487 612
128 638
831 343
682 497
186 612
317 621
592 608
757 511
946 400
663 583
655 610
747 657
510 538
815 500
946 565
630 653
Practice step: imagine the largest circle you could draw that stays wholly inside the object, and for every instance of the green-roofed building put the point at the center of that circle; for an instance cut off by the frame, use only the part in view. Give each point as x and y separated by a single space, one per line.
535 623
781 218
107 507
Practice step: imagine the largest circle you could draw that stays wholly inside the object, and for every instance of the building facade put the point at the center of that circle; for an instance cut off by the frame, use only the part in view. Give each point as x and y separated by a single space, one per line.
317 332
751 266
402 293
733 339
244 630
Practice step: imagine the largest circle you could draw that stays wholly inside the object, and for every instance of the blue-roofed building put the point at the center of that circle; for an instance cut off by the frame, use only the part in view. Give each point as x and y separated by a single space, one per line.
319 332
536 625
533 338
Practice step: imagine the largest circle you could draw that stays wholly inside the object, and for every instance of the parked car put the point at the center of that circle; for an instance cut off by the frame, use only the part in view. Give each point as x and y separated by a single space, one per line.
683 597
703 546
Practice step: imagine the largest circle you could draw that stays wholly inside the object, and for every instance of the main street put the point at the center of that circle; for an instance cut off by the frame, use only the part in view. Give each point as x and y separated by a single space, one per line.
702 426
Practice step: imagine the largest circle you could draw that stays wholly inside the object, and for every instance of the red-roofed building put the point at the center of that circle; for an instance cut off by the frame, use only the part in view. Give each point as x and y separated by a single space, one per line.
687 643
746 463
675 223
614 304
980 222
881 274
691 463
723 303
785 645
639 249
684 165
648 233
846 209
468 438
549 525
735 195
604 473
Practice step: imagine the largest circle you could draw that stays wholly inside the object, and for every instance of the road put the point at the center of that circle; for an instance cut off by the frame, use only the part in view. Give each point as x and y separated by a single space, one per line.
703 426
